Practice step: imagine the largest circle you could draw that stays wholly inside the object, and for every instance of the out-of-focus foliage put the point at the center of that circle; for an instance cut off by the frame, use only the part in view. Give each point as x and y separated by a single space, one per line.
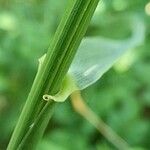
121 97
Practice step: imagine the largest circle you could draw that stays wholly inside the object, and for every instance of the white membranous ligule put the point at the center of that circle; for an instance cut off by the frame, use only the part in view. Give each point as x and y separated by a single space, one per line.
94 57
68 86
47 97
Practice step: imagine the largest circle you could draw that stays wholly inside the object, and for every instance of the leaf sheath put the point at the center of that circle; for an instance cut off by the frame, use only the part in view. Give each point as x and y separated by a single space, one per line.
56 64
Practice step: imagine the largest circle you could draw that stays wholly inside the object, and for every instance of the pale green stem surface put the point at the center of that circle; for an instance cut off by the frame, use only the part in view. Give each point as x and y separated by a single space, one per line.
84 110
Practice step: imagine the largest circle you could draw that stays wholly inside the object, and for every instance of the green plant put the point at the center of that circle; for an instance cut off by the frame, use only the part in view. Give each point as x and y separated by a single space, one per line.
121 97
52 83
51 74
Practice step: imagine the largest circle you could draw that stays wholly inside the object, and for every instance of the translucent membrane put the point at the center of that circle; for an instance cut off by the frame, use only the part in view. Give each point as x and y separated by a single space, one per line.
94 57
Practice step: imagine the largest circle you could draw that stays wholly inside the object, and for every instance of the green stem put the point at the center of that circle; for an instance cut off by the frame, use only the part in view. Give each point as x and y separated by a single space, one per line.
85 111
34 126
56 64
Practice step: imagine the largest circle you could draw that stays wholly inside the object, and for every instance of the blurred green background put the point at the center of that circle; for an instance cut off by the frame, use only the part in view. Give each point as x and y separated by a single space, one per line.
121 97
